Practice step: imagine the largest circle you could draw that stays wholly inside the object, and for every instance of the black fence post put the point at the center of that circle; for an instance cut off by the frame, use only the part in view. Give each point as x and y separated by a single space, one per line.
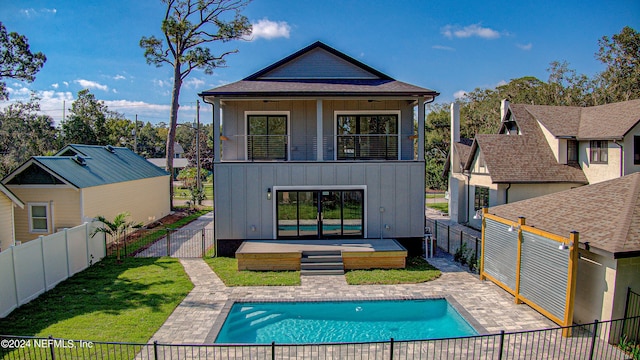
273 350
168 242
593 339
477 248
125 245
391 349
501 345
435 230
52 348
155 349
461 235
448 239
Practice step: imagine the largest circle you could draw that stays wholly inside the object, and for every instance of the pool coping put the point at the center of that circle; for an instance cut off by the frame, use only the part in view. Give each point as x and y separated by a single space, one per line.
222 316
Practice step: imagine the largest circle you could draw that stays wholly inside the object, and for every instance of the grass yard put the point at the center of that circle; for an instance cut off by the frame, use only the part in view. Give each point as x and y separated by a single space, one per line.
227 271
185 194
125 302
442 207
418 270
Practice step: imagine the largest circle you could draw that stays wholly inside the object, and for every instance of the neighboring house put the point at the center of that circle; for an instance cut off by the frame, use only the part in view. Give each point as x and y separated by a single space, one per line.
607 217
541 150
8 201
179 161
318 145
81 182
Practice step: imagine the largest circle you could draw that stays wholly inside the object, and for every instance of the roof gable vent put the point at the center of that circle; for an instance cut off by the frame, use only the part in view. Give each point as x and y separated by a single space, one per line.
110 149
80 160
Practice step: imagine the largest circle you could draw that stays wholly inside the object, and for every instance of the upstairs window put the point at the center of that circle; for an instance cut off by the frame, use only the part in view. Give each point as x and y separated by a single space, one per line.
481 198
599 151
636 150
572 152
367 137
267 137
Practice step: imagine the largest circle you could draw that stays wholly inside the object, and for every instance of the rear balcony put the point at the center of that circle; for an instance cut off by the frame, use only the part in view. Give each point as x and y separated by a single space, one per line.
277 148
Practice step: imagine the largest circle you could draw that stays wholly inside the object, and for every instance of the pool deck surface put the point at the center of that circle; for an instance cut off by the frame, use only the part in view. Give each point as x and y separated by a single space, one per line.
490 306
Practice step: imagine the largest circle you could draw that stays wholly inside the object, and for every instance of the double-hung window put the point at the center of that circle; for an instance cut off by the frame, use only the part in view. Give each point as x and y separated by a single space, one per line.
481 198
599 151
367 137
39 217
267 137
572 151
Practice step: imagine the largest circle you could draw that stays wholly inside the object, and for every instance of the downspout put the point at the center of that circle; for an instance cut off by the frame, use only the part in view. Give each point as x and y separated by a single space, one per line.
621 157
468 176
506 194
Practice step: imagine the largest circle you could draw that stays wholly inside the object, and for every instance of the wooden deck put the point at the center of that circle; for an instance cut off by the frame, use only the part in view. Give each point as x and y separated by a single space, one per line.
286 254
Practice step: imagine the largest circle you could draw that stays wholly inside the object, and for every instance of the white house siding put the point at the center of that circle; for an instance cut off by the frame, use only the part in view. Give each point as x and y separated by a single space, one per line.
6 222
64 204
147 200
241 189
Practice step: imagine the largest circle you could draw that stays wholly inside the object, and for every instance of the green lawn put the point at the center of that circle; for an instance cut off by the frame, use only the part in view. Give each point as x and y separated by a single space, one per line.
417 271
442 207
125 302
227 271
434 195
185 194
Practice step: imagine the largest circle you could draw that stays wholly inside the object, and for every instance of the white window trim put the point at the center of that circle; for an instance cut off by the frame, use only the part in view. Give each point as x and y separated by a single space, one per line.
365 112
269 112
48 210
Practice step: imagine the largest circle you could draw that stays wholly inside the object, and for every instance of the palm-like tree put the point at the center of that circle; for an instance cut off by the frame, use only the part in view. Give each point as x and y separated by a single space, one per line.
117 228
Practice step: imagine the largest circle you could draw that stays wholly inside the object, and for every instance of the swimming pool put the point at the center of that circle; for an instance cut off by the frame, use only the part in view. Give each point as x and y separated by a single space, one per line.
341 321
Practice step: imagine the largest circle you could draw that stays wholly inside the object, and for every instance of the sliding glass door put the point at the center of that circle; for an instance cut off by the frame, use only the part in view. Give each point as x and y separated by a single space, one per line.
318 214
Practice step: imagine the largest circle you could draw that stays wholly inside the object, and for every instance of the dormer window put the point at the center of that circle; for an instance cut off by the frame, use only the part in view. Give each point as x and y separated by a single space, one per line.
572 151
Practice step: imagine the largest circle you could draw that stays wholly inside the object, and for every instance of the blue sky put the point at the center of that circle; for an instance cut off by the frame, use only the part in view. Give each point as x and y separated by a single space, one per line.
448 46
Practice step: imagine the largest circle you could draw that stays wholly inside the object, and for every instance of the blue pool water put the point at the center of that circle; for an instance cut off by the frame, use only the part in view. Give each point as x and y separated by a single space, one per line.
342 321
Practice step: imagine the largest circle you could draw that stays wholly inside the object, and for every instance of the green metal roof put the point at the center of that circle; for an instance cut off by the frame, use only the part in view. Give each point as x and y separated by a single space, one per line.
98 165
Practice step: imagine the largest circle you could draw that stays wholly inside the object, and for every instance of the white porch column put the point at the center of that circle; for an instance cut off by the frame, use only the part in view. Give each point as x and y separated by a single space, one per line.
421 129
319 146
216 130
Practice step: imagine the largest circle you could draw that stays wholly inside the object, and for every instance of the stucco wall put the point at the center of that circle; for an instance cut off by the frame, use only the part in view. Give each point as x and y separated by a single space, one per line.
241 188
596 173
64 204
555 145
6 222
629 166
519 192
627 275
146 200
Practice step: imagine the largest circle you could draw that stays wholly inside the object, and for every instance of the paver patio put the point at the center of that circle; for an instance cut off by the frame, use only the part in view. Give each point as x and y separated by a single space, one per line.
492 308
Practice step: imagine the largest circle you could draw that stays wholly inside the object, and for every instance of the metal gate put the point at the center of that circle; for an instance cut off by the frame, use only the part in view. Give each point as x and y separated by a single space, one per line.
178 243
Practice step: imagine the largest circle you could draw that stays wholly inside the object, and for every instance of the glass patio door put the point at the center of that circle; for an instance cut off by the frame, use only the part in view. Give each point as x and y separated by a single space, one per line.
319 214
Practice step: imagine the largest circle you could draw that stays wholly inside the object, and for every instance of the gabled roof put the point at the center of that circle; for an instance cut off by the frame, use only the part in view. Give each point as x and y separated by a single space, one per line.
318 70
525 158
462 148
610 121
83 166
613 228
11 196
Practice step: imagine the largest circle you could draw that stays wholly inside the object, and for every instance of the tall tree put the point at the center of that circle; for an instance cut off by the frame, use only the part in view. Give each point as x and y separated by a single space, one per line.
621 53
16 59
24 133
189 25
86 123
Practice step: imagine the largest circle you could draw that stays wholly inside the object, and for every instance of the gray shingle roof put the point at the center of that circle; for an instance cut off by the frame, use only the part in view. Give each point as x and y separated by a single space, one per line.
309 78
606 214
102 166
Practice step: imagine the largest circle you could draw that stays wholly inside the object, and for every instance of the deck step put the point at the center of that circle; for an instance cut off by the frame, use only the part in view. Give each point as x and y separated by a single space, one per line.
321 262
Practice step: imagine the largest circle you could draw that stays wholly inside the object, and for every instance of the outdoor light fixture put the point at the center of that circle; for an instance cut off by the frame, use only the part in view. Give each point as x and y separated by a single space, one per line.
478 215
513 228
269 194
253 228
563 246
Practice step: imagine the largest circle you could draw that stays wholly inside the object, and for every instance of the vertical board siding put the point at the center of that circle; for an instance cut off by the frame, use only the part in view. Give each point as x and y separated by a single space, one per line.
241 200
500 253
544 273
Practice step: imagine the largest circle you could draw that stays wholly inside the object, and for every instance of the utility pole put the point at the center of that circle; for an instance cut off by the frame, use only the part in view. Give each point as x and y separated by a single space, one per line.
198 180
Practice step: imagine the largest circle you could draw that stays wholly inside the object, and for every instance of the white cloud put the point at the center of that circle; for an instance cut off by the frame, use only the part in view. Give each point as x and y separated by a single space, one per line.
114 91
501 83
66 83
31 12
194 83
525 47
459 94
160 83
442 47
55 86
119 77
268 29
452 31
88 84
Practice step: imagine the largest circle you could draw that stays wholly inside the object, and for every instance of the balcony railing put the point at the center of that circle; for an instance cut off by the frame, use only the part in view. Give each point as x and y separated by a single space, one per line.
304 148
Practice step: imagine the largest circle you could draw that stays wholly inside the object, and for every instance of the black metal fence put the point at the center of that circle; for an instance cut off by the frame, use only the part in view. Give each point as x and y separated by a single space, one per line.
598 340
466 248
632 309
181 243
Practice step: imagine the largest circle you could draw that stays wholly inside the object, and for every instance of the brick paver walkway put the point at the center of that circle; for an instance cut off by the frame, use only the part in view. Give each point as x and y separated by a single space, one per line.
490 306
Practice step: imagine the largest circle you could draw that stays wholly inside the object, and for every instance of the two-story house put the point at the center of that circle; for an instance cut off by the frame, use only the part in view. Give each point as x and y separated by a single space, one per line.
540 150
318 146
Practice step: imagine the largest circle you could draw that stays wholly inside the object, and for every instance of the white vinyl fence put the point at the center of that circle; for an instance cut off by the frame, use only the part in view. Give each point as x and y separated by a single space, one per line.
36 266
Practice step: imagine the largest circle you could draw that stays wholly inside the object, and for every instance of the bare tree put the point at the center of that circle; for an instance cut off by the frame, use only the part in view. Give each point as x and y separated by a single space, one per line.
188 25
